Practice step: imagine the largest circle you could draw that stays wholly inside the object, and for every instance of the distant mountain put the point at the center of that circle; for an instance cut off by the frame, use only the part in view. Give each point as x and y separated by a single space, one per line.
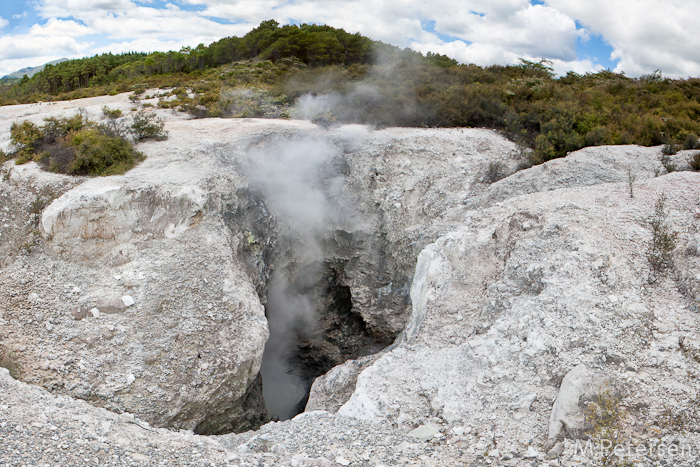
31 71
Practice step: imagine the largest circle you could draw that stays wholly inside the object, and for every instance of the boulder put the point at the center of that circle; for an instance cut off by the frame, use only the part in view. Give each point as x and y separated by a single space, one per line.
568 413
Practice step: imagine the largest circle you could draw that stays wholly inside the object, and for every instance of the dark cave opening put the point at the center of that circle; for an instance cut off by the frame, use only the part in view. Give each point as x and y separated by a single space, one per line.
312 329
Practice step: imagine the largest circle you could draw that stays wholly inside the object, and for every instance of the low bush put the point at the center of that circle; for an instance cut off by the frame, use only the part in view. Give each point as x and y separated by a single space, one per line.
111 113
668 164
74 145
662 243
695 161
495 171
24 137
669 150
99 154
147 125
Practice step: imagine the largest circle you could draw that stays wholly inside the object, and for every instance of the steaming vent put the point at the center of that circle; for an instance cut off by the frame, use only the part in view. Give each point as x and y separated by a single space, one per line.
298 224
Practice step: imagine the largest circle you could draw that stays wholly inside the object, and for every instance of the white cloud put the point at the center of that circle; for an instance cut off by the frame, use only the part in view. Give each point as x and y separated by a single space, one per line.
581 67
26 46
58 27
79 8
139 45
645 34
20 16
497 30
55 39
478 54
3 22
171 23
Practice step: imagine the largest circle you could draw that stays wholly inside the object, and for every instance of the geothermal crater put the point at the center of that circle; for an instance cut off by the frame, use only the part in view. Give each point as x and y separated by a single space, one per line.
301 232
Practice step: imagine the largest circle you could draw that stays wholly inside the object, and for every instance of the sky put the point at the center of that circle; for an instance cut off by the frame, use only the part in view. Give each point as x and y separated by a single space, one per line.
634 37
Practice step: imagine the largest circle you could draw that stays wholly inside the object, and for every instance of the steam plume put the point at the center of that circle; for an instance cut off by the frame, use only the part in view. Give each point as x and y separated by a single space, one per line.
303 193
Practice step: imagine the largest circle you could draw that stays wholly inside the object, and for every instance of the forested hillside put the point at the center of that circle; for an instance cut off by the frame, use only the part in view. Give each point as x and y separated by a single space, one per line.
374 83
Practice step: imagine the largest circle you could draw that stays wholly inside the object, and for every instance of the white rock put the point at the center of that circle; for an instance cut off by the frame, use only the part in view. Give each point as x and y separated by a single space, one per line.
424 432
566 412
95 312
342 461
127 300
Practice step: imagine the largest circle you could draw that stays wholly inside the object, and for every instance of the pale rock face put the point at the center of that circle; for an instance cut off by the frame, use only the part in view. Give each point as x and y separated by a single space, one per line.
98 216
332 390
183 236
511 303
161 318
586 167
500 313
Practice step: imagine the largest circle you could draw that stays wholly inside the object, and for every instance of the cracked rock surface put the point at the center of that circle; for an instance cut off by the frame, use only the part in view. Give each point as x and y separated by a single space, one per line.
144 294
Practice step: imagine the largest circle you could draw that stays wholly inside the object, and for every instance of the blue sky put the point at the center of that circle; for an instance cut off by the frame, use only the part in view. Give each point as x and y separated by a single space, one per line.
630 36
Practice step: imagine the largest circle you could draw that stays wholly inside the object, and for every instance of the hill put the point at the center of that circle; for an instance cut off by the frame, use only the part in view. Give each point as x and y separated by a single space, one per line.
31 71
330 75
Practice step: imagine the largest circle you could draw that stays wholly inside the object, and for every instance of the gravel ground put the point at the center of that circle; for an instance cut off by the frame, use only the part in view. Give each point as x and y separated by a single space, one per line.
38 428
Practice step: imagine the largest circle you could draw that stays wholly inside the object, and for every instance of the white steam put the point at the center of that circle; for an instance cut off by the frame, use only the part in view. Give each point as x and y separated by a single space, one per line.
294 177
311 107
303 193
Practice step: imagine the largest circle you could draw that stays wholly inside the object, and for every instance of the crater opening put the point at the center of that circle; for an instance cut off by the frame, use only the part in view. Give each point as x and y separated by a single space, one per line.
308 243
312 329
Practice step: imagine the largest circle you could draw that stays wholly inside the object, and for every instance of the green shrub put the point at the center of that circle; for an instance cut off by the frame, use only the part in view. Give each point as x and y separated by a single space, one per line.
24 137
668 164
662 243
605 420
99 154
695 161
691 142
494 172
55 128
111 114
73 145
669 150
148 125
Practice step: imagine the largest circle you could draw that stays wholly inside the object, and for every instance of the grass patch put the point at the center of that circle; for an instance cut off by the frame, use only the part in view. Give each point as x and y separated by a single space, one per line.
605 417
